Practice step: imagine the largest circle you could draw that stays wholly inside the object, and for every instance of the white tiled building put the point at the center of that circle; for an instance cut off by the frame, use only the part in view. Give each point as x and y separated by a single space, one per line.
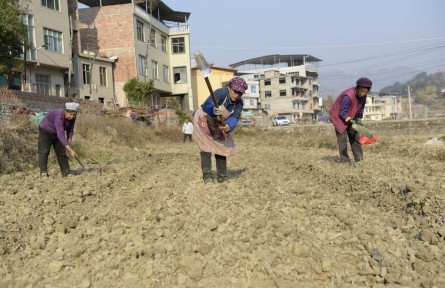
288 85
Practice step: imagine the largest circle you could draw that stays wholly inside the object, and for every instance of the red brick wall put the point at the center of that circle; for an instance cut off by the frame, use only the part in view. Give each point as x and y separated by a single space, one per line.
111 30
40 103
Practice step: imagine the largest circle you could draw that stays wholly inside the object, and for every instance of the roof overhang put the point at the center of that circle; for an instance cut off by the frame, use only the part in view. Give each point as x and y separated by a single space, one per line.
276 59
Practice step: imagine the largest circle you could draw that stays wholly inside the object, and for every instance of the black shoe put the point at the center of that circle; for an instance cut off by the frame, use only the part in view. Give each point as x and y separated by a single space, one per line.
44 174
221 179
70 173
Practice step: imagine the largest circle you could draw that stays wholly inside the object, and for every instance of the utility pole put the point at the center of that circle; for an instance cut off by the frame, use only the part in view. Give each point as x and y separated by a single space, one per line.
409 101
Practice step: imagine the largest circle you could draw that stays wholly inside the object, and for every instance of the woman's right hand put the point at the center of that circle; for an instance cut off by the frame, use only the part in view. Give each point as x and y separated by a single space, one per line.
71 151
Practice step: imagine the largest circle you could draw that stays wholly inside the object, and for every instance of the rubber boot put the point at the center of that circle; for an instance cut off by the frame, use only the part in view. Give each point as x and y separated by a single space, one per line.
206 166
221 168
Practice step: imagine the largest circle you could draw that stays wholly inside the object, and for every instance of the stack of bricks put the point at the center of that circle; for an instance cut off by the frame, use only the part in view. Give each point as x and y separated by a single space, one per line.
11 100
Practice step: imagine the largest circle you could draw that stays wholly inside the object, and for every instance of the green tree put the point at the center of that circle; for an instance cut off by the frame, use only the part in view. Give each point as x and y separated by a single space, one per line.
138 91
12 35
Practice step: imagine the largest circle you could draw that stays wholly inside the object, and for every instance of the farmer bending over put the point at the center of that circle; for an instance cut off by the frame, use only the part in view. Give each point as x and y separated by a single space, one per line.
56 130
347 110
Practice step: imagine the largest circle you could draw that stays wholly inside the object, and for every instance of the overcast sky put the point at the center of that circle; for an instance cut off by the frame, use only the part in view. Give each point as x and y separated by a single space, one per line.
385 40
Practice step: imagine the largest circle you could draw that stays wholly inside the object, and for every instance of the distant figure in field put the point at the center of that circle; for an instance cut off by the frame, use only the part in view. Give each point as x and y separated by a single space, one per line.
187 130
348 109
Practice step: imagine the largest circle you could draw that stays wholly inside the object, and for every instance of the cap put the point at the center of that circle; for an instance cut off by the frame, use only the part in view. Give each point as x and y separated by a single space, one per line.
364 82
72 106
238 84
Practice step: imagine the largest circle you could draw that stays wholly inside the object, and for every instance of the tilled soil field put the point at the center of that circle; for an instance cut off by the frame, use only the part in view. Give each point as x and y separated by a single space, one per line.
289 216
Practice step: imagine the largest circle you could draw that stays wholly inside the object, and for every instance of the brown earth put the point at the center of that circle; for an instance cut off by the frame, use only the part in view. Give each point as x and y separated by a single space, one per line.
289 216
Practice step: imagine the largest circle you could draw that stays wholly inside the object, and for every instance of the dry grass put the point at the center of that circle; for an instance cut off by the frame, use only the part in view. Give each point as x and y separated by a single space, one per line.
18 144
99 138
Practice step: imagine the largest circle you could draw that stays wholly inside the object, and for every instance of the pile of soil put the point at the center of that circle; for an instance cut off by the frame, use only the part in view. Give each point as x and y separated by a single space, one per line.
290 215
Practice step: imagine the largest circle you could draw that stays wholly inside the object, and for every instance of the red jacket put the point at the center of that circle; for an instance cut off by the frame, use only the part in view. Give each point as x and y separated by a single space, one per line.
357 103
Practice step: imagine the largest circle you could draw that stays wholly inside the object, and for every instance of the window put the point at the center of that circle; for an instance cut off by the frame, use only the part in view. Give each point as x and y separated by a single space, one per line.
282 92
29 23
166 74
180 74
142 65
267 94
266 81
178 45
164 43
282 81
53 40
51 4
43 84
101 100
252 102
86 74
58 89
267 106
154 69
103 76
153 37
87 98
140 30
253 88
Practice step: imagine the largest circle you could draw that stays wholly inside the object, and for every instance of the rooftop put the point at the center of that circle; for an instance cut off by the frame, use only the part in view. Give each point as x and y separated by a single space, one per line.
277 59
159 10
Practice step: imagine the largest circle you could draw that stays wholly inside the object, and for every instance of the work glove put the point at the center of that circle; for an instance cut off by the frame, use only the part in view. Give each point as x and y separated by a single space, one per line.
352 121
359 122
217 111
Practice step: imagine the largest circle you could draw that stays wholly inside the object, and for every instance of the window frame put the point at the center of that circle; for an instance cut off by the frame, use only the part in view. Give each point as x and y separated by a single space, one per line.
103 76
86 74
178 45
153 37
140 31
154 70
43 87
181 71
55 4
53 40
142 69
166 73
163 43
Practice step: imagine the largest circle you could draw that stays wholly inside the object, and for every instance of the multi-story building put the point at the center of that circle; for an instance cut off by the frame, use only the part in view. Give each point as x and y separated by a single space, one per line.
382 107
92 78
288 85
146 39
47 65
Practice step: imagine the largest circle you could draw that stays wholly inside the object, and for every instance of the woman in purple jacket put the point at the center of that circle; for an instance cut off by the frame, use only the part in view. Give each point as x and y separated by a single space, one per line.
347 110
56 130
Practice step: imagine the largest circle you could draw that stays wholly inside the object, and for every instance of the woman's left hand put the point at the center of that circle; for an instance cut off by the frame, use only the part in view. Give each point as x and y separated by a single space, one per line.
225 128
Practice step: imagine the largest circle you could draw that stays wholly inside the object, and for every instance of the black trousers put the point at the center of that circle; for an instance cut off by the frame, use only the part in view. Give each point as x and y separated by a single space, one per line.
185 137
46 140
354 140
206 166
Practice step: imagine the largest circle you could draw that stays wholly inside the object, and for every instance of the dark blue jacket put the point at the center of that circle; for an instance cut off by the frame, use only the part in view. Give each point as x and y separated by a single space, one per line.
234 107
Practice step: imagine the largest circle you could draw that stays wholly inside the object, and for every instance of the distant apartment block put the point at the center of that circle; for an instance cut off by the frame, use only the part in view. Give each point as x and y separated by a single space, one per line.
143 39
382 107
286 84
